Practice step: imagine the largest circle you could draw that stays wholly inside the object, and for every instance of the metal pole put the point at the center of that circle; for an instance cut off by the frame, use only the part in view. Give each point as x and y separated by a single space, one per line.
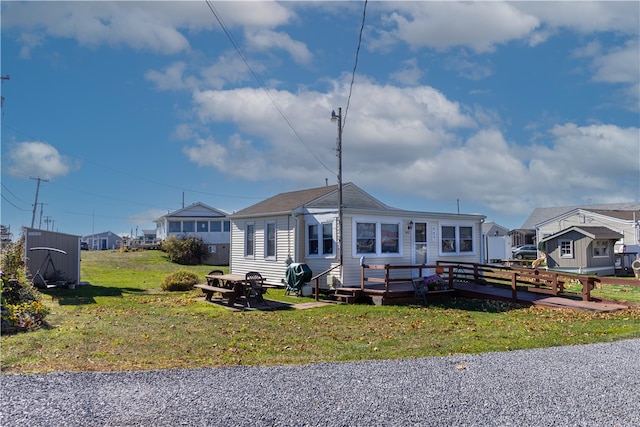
35 204
340 217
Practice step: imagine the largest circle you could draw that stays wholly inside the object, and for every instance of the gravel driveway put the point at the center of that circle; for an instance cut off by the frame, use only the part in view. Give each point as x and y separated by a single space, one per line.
590 385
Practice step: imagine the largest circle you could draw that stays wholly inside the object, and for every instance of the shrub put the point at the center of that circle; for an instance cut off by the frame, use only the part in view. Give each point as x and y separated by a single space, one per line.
185 251
181 280
21 306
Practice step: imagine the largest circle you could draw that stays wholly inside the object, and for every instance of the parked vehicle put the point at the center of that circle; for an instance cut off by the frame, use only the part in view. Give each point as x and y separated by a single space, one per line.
84 246
526 251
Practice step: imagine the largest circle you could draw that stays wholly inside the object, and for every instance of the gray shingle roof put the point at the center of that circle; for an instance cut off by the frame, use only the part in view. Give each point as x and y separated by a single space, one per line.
286 202
595 232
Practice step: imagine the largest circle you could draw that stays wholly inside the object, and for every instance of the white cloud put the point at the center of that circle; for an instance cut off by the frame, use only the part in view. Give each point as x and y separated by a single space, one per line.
416 136
620 65
441 25
153 26
586 16
409 73
263 39
37 159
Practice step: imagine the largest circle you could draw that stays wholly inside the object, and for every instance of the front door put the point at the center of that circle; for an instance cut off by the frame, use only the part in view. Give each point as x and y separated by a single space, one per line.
420 243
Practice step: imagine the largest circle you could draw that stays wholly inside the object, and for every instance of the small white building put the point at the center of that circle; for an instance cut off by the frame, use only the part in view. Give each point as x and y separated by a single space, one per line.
198 220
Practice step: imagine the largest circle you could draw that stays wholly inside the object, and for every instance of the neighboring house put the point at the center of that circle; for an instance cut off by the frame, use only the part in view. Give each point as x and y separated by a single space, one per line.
52 257
301 226
527 234
104 241
149 235
210 225
625 222
496 241
582 250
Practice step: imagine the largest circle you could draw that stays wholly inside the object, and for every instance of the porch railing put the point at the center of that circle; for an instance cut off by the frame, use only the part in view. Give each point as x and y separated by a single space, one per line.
316 280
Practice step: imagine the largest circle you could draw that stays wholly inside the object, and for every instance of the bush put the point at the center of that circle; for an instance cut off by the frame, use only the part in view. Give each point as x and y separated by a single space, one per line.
181 280
21 306
185 251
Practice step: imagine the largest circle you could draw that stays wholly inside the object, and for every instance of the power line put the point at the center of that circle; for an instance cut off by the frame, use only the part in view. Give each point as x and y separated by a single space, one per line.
12 204
261 82
10 192
355 65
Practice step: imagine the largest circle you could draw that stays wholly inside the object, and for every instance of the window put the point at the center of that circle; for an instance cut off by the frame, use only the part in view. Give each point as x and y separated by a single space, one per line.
175 227
377 238
566 248
327 239
227 226
390 239
456 239
313 239
188 226
249 240
270 241
466 239
203 226
600 248
216 226
213 249
366 237
448 239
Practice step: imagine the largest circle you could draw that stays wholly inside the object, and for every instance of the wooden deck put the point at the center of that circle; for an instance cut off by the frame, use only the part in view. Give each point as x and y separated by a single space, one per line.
402 293
473 290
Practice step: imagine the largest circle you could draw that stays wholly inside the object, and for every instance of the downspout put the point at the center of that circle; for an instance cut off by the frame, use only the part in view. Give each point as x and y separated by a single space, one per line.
296 235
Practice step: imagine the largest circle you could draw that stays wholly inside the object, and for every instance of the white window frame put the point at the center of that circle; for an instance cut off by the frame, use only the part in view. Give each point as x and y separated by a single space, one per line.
320 239
252 254
268 225
603 245
378 222
458 239
569 253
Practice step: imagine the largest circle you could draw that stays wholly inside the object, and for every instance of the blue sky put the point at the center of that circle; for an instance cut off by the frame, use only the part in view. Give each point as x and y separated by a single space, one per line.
130 109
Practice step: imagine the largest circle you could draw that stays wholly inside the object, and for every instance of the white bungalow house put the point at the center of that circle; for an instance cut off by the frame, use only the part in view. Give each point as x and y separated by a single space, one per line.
210 225
301 226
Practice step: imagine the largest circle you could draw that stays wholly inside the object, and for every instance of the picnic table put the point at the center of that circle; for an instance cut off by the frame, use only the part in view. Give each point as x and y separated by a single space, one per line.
230 286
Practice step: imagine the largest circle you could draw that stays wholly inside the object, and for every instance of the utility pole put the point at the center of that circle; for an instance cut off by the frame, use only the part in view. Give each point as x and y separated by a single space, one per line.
35 204
41 210
3 78
338 117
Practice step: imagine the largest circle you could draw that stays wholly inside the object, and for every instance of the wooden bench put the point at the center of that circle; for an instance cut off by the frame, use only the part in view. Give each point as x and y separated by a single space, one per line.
208 290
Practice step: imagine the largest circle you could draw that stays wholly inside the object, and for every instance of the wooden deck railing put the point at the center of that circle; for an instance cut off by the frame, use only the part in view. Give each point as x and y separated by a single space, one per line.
534 280
388 278
516 278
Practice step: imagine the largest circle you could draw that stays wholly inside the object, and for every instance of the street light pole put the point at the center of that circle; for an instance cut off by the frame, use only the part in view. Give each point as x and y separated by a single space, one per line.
338 118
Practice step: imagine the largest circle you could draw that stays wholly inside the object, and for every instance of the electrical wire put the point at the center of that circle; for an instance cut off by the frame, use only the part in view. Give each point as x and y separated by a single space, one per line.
11 203
255 75
355 65
10 192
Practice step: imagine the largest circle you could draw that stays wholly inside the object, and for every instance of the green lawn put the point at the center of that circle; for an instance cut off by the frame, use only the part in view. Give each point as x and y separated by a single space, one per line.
122 320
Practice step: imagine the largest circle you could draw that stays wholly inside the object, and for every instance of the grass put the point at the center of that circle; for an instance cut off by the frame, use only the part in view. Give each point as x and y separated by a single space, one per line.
123 321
